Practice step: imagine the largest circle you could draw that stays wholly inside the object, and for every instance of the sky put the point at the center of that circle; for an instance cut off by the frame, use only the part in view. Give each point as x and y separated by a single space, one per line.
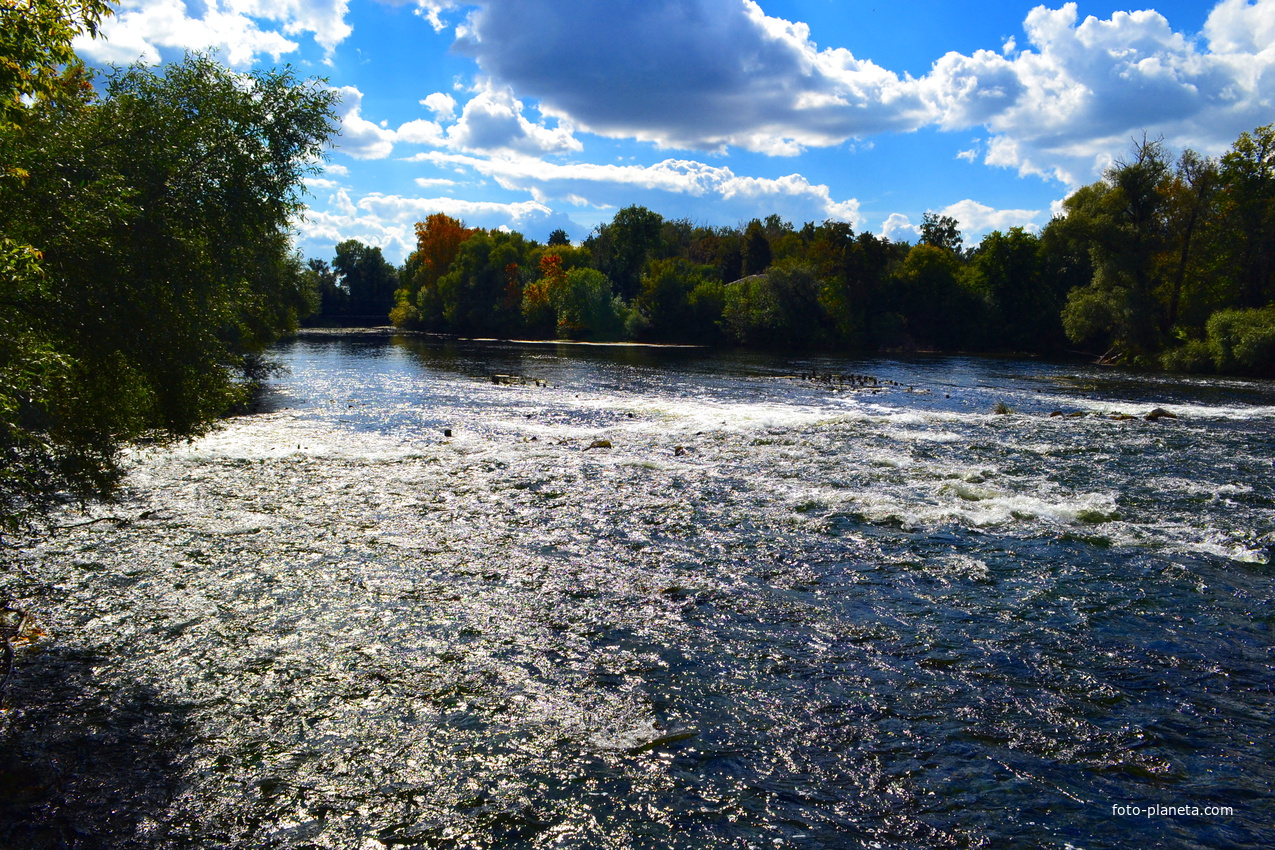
536 115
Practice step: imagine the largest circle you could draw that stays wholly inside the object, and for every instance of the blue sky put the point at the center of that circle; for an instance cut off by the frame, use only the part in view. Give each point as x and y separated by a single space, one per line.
540 114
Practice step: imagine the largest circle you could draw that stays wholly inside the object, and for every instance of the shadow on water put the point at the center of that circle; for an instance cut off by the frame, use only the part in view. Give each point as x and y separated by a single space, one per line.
84 764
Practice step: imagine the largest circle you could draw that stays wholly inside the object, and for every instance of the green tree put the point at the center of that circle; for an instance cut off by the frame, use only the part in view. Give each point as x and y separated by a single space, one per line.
1248 173
1008 271
1123 221
35 44
368 280
941 313
621 249
756 249
161 211
1191 201
941 231
481 294
586 307
778 309
664 301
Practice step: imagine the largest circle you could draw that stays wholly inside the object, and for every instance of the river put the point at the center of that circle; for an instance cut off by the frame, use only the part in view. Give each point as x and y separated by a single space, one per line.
632 597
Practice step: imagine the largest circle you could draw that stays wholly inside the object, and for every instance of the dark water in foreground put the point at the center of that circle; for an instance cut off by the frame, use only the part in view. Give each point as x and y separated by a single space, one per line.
771 614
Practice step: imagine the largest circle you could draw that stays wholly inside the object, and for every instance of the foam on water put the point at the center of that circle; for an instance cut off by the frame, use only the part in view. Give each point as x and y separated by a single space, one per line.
767 614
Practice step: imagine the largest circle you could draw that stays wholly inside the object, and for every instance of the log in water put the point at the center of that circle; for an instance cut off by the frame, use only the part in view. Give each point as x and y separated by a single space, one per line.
647 598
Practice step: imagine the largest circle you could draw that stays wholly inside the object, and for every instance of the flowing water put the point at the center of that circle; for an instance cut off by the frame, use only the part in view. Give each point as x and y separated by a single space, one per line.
659 598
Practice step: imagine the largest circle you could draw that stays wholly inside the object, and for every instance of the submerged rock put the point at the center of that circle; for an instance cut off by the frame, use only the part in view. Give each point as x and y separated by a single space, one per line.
1159 413
599 444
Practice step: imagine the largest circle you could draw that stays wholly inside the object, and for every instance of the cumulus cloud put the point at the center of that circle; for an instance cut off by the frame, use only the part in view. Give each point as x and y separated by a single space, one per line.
685 73
713 74
441 104
792 195
898 228
493 121
975 218
420 132
241 30
360 138
1062 108
387 221
1241 26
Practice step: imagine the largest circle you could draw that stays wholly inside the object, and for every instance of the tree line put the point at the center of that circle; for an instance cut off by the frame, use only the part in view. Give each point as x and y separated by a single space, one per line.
1160 263
146 260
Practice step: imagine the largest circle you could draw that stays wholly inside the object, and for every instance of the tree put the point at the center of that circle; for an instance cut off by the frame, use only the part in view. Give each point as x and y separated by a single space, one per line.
438 241
1007 270
778 309
332 299
481 294
941 231
1190 205
1248 173
940 312
586 308
160 210
1122 219
756 250
35 44
664 301
368 279
559 237
621 248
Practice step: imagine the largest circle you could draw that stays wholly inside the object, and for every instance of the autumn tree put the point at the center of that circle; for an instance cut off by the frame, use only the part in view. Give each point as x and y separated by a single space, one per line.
438 241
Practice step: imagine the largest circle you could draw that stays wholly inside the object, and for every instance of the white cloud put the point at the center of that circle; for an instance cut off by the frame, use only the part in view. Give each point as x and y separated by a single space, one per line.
898 228
320 183
432 11
342 203
493 121
241 30
686 73
713 74
1241 26
976 218
1065 107
441 104
359 137
420 132
792 194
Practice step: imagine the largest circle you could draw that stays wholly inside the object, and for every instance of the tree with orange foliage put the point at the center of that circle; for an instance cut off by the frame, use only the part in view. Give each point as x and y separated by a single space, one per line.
538 313
438 241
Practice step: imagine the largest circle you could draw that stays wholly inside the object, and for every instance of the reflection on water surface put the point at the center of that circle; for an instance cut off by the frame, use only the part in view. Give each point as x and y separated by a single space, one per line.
775 612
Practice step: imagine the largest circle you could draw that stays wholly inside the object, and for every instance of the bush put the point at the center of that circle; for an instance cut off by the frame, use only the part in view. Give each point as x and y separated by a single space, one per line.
1243 341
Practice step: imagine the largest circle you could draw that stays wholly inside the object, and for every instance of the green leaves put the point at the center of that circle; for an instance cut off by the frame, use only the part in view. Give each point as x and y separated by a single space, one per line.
161 212
35 43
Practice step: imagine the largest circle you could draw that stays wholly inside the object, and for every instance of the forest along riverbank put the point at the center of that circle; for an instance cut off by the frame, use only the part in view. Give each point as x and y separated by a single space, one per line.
649 598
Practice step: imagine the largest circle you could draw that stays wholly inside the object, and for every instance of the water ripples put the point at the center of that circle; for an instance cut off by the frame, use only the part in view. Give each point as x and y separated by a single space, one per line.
768 614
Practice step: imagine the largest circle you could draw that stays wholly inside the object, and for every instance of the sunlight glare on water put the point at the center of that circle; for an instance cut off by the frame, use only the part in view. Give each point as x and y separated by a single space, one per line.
666 598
